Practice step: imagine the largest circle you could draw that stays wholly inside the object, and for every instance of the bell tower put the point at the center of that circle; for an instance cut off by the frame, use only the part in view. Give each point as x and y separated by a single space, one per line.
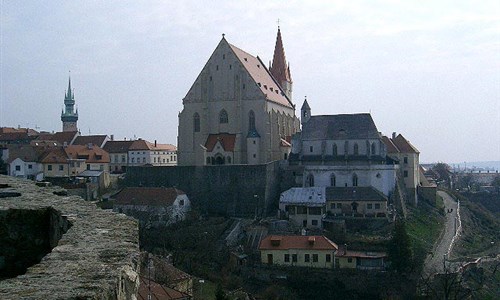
69 116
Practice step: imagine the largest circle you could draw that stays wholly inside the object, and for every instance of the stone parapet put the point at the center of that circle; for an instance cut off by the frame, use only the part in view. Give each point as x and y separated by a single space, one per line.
92 253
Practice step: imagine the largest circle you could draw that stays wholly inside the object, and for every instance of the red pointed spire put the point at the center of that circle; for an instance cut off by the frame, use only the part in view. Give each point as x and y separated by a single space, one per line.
279 68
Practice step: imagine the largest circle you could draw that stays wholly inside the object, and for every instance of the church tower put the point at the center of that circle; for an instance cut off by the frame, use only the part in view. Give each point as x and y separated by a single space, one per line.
68 116
279 68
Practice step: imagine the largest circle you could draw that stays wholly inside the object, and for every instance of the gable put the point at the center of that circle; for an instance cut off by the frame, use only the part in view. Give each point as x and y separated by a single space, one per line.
218 78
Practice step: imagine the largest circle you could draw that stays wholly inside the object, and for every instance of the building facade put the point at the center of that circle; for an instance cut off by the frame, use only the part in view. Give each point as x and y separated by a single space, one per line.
237 111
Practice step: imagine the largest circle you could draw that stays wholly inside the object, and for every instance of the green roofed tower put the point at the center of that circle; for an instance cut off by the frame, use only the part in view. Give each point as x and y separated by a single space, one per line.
69 116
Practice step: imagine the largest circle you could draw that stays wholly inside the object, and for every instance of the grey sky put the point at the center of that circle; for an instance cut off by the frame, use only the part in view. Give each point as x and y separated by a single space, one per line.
427 69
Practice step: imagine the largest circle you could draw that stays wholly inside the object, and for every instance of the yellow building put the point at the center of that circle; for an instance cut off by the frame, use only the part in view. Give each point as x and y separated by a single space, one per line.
301 251
363 260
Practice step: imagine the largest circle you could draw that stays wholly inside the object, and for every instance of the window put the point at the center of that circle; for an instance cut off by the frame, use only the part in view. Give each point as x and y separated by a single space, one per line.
88 167
208 161
123 158
217 67
339 205
49 168
287 258
377 205
307 258
334 151
310 148
349 260
315 211
356 149
143 159
405 173
285 156
30 167
223 56
301 210
333 180
61 167
243 86
369 206
373 148
251 120
294 257
229 159
133 160
304 223
196 123
332 206
328 258
405 159
223 118
310 180
254 156
354 180
101 167
181 202
315 257
314 222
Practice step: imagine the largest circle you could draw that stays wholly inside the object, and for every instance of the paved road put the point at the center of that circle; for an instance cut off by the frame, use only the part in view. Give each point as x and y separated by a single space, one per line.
434 262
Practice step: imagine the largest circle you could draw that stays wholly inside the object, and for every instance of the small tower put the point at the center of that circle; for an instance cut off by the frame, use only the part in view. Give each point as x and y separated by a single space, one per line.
69 117
279 68
305 112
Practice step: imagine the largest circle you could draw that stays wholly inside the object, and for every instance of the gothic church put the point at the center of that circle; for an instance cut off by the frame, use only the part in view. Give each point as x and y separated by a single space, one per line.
238 111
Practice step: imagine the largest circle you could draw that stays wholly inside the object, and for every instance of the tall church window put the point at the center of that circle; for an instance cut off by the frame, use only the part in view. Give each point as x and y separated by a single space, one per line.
354 180
251 120
310 180
223 118
356 149
334 152
373 148
333 180
196 122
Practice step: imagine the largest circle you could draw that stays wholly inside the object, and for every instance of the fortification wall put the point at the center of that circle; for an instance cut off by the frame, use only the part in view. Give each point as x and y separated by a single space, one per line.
234 190
71 249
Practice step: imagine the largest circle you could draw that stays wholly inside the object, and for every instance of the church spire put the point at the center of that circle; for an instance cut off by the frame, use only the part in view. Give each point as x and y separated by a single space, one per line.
279 67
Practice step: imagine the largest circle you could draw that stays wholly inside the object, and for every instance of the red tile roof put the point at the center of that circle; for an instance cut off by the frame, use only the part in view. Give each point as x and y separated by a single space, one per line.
92 154
404 145
97 140
55 155
227 141
26 153
262 77
279 68
118 146
302 242
145 145
147 196
61 137
158 291
391 148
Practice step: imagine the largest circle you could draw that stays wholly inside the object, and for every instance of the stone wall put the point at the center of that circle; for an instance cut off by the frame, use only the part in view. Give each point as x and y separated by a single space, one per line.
233 190
93 254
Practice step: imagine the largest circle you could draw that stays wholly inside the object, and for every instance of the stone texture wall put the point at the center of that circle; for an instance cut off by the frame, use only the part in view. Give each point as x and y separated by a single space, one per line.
233 190
96 258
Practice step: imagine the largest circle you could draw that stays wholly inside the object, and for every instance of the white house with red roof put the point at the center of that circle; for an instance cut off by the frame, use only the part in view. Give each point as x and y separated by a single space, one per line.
238 111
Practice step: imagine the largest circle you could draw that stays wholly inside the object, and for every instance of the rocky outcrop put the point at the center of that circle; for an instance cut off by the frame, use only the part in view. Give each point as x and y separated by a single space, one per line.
92 253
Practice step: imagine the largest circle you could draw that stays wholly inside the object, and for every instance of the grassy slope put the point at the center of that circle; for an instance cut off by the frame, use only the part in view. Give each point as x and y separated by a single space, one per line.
424 226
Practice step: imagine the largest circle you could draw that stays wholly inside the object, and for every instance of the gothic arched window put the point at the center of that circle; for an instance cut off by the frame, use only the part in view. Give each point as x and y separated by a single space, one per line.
251 120
223 118
356 149
196 122
354 180
333 180
334 152
373 148
310 180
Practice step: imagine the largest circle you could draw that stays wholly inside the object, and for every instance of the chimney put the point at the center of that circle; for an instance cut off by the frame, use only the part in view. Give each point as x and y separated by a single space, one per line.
89 146
155 143
112 137
311 240
393 135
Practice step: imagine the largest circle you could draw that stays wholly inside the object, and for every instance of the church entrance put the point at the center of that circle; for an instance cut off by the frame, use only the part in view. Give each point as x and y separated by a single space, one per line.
219 160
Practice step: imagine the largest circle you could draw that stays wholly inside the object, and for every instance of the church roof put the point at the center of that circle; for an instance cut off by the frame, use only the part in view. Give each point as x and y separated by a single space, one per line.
262 77
227 141
279 68
340 127
354 194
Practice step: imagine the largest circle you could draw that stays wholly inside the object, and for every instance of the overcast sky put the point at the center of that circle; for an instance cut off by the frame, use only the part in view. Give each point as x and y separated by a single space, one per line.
427 69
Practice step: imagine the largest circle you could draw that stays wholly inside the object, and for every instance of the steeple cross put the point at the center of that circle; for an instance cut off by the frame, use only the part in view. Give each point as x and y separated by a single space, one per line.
278 22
